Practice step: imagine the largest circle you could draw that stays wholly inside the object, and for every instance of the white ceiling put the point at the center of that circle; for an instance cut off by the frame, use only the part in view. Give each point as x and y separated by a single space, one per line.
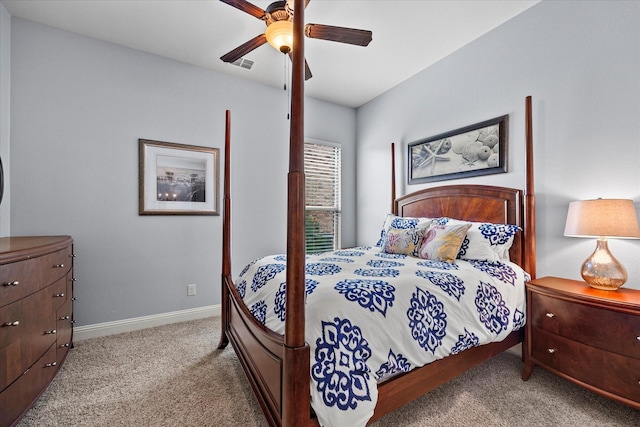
408 36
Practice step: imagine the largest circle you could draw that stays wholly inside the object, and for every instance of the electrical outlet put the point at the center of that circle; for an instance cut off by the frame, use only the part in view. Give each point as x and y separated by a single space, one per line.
191 289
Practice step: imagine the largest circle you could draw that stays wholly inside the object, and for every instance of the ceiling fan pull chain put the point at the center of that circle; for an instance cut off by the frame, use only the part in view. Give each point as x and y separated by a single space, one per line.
286 77
284 68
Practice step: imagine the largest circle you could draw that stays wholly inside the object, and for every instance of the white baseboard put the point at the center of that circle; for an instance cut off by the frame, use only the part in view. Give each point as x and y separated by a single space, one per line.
133 324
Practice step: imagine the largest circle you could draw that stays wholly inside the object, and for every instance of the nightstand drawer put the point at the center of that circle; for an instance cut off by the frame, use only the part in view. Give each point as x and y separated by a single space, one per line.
603 328
608 372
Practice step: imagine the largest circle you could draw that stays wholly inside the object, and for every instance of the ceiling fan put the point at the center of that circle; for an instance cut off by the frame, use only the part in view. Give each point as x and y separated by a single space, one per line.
278 17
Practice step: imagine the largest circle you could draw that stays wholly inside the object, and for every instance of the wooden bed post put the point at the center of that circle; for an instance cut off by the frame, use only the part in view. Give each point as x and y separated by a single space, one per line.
296 398
226 234
530 200
393 177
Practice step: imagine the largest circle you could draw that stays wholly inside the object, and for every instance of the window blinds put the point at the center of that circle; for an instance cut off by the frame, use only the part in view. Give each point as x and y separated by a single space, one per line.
322 167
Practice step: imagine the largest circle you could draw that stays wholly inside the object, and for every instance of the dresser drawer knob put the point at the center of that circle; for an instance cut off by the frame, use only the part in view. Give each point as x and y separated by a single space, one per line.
16 323
64 318
550 315
50 365
59 266
638 337
64 345
51 332
14 283
59 295
551 350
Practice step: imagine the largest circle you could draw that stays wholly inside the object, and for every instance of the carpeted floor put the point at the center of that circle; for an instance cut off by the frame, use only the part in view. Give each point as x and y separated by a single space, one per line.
174 376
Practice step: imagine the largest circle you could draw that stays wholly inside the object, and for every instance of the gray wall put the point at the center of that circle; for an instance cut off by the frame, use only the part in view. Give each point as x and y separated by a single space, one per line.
5 106
79 106
580 61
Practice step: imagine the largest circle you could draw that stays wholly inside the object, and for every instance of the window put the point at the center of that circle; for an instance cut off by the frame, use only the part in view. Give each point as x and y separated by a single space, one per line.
322 168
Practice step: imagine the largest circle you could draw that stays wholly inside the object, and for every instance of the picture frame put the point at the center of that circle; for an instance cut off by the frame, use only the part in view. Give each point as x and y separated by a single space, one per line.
177 179
474 150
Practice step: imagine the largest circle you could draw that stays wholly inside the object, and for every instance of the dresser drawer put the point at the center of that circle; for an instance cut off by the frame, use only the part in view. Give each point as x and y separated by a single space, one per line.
64 328
15 399
58 292
612 373
24 337
594 326
17 281
22 278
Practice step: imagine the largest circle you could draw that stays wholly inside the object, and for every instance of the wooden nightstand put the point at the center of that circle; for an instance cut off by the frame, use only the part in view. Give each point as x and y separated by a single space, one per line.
588 336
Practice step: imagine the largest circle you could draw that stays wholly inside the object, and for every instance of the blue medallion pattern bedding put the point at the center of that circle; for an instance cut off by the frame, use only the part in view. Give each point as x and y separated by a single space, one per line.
372 314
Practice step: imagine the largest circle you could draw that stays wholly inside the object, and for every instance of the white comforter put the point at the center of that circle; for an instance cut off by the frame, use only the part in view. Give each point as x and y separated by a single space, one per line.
371 314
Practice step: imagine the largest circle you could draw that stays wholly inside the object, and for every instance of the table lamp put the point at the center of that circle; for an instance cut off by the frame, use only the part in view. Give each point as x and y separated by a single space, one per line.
603 218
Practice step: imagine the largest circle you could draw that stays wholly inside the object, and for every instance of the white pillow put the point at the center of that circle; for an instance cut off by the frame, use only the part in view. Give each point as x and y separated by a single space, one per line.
485 240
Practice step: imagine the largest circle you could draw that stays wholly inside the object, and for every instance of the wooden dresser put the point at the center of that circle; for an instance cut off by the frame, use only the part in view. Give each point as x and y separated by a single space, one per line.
588 336
36 317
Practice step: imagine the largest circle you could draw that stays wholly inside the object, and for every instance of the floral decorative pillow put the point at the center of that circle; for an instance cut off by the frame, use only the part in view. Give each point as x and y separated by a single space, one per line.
401 223
403 241
487 241
442 242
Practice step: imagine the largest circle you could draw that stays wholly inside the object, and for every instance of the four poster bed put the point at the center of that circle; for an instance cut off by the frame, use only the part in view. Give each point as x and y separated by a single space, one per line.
300 380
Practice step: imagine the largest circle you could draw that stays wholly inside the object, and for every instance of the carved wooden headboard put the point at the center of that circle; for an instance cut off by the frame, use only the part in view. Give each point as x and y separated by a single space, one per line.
481 203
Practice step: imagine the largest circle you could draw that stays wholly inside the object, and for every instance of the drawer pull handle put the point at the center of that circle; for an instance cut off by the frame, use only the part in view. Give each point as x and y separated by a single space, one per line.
59 295
50 365
638 337
14 283
59 266
551 315
16 323
51 332
64 318
64 345
551 350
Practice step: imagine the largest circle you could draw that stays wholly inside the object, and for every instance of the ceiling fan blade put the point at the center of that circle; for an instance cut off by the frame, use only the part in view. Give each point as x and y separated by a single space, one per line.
338 34
246 7
245 48
307 70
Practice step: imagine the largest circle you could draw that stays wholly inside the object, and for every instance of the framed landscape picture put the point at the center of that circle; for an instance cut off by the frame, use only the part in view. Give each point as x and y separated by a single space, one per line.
478 149
177 179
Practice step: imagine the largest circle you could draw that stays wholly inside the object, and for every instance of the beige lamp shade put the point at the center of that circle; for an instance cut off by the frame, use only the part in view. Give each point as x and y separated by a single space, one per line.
602 218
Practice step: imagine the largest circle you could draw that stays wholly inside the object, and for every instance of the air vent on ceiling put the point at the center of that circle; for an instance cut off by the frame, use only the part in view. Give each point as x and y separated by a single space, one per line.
243 63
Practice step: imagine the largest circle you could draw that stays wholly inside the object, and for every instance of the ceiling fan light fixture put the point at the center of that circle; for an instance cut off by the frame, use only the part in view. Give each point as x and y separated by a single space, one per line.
280 35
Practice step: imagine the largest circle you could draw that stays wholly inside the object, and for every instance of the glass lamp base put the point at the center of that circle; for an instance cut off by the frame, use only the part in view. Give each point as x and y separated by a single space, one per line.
602 271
